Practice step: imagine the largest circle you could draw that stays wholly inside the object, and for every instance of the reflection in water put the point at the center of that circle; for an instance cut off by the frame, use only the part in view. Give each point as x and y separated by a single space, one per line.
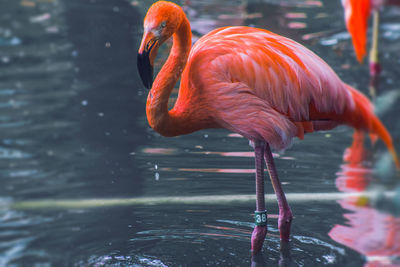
245 154
160 151
216 170
247 232
370 232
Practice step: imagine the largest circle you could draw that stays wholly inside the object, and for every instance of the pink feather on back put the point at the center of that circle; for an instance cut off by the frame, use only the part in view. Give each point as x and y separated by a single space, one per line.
244 74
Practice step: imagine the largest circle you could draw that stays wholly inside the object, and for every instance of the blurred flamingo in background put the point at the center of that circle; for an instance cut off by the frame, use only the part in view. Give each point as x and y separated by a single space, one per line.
357 13
261 85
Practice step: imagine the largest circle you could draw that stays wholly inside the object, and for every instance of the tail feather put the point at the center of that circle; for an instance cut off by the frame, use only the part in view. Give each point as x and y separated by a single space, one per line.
362 117
380 129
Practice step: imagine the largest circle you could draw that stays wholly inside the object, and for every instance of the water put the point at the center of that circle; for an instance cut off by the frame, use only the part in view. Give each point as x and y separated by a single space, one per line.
73 130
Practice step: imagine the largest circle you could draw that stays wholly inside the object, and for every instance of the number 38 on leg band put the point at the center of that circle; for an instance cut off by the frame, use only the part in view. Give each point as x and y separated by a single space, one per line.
260 218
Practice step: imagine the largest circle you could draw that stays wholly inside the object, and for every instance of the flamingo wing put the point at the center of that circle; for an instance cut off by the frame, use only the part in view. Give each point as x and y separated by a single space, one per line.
254 77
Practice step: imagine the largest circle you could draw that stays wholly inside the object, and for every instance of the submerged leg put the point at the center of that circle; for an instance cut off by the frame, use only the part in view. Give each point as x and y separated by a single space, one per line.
285 214
260 230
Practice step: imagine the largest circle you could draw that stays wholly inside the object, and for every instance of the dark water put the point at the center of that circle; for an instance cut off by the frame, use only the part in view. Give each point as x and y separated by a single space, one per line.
73 128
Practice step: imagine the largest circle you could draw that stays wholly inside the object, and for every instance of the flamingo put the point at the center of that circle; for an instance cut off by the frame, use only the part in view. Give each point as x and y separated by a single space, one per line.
251 81
357 13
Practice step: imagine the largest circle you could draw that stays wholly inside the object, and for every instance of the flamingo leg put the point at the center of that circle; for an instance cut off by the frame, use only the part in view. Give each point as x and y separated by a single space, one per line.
285 213
374 65
260 230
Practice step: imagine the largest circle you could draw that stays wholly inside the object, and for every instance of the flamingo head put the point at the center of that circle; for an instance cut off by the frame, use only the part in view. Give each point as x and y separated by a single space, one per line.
161 22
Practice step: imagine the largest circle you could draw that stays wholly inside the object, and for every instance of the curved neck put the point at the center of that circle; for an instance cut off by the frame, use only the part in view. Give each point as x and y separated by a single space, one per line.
159 118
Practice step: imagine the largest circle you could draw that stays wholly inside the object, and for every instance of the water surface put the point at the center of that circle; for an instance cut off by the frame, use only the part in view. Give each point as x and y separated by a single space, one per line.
73 128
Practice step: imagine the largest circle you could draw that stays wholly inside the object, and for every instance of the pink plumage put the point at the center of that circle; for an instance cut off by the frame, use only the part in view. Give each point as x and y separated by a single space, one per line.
260 76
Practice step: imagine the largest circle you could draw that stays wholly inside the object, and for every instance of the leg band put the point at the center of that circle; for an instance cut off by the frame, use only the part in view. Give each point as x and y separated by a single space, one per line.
260 218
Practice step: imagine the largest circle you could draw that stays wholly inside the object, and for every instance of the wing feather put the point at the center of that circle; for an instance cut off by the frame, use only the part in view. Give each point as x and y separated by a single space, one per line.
286 76
282 72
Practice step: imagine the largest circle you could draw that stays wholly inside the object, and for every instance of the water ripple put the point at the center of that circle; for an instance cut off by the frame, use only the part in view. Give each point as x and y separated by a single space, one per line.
13 104
335 38
121 260
12 249
7 92
391 31
16 235
23 173
317 242
15 124
9 153
10 41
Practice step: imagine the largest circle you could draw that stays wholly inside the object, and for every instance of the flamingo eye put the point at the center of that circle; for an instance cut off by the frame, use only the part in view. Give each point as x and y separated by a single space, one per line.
163 24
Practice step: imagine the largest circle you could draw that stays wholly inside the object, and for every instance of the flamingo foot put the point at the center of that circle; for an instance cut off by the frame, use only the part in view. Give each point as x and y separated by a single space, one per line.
257 238
284 225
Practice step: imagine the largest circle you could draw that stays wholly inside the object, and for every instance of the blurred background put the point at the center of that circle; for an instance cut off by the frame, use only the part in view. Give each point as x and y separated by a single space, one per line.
73 130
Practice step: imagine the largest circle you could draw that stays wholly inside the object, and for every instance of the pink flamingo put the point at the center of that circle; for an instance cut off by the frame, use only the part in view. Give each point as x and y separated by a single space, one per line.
263 86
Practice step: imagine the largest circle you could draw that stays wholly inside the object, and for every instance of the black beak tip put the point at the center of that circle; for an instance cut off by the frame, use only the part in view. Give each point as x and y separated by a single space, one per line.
145 69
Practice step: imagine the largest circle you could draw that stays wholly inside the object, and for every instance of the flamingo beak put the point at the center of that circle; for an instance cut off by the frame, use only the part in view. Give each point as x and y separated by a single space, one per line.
145 59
